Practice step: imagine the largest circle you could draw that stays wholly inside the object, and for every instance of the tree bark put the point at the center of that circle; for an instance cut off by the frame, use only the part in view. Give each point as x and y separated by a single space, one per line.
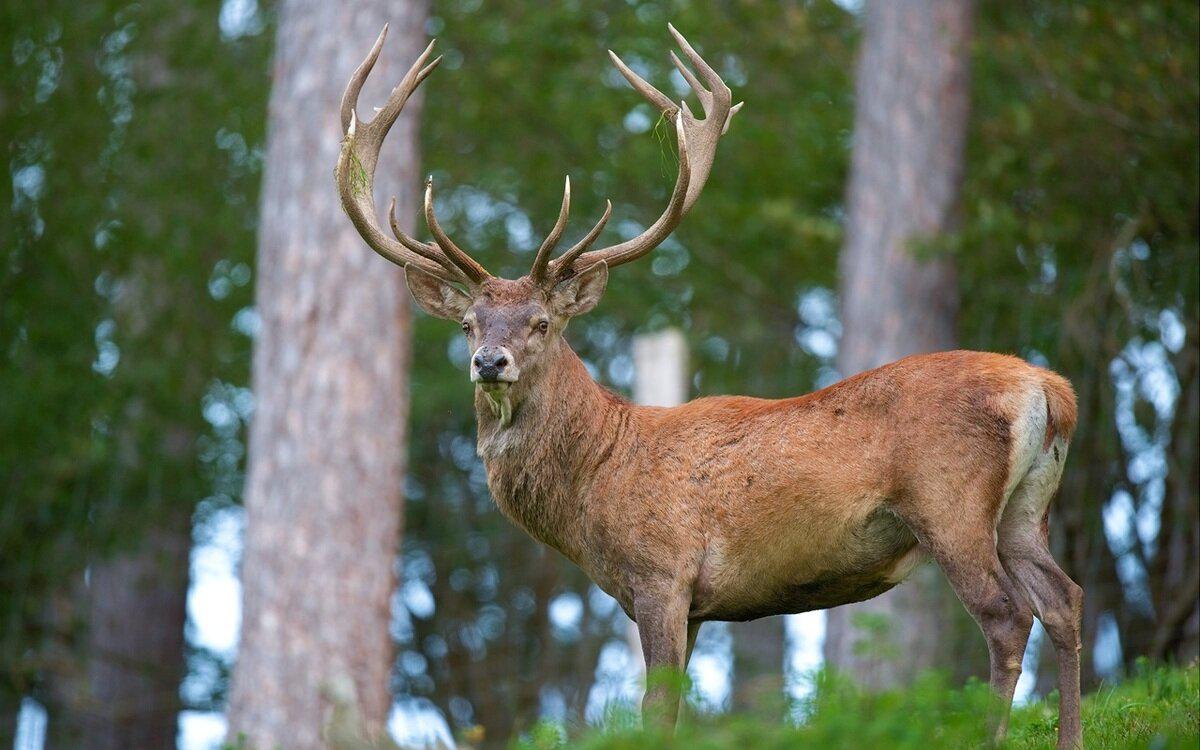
327 442
135 642
758 653
906 174
120 689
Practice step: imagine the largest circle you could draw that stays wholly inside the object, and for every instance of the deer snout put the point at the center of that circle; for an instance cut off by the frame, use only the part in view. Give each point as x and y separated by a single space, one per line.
493 364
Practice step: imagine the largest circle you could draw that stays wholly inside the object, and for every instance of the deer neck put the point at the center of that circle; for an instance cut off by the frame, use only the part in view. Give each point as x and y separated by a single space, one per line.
544 448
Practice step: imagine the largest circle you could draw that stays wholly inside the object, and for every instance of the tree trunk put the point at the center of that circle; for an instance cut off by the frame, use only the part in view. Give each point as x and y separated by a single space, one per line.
660 366
119 688
135 643
327 442
758 653
906 173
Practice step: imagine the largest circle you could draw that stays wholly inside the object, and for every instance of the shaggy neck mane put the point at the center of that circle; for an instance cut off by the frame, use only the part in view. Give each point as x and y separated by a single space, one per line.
562 430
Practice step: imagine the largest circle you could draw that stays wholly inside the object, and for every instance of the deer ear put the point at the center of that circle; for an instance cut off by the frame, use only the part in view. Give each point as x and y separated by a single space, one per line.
581 293
435 296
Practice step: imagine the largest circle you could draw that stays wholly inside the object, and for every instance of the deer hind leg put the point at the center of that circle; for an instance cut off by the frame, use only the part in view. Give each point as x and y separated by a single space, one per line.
963 544
1056 599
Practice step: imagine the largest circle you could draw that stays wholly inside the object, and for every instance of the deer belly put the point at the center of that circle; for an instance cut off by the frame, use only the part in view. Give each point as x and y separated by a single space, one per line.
862 563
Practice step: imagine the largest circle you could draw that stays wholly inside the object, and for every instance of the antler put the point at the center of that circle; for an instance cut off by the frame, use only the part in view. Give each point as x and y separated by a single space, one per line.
697 149
355 177
542 259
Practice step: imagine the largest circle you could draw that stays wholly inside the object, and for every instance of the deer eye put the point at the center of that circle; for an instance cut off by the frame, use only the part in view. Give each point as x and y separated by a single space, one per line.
543 326
466 328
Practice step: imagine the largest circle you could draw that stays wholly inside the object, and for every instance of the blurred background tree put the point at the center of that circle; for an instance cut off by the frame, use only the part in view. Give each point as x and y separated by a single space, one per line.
327 445
134 135
910 127
130 133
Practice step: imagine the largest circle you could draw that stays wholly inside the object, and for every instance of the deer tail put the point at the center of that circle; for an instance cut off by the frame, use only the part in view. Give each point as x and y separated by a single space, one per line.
1061 411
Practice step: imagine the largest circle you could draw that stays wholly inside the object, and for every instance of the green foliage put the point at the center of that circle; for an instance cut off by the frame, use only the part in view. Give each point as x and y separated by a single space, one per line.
130 133
1159 708
1083 143
874 641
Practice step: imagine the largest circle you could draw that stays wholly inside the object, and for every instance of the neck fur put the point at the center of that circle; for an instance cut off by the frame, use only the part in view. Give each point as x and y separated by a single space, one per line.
559 432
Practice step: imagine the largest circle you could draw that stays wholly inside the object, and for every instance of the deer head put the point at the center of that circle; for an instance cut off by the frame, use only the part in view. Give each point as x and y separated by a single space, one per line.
513 325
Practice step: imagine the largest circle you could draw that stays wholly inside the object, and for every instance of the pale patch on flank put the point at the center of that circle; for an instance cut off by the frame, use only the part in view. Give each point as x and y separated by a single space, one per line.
906 564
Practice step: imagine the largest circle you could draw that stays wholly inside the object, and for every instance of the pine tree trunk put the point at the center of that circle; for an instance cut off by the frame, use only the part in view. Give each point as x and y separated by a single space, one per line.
135 659
909 131
121 690
758 653
327 442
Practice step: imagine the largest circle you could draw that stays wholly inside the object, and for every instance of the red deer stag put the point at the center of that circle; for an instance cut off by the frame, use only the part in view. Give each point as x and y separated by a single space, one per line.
733 508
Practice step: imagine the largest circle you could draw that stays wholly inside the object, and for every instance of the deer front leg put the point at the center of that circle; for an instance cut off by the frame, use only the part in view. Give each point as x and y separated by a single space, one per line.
663 625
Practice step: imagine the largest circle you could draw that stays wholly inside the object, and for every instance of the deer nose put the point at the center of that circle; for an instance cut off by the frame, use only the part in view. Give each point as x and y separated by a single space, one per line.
489 362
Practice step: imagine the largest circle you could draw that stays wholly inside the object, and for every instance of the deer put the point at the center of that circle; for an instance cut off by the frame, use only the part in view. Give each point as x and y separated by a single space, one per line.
731 507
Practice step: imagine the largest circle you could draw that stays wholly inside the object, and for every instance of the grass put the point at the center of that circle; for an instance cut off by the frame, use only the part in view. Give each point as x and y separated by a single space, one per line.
1158 707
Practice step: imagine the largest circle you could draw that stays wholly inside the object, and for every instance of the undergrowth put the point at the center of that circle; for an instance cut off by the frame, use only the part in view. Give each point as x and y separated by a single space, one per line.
1157 707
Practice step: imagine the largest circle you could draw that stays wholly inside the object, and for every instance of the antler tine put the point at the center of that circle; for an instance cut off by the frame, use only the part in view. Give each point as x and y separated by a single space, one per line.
719 89
689 76
355 173
418 72
564 264
476 273
425 250
355 178
697 148
387 114
540 261
660 100
732 111
358 78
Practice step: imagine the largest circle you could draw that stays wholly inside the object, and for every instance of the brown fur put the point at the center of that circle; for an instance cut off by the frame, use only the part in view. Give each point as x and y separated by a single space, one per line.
764 505
1060 406
733 508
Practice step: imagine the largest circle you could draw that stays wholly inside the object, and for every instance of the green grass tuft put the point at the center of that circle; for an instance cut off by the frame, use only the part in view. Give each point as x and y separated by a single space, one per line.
1158 707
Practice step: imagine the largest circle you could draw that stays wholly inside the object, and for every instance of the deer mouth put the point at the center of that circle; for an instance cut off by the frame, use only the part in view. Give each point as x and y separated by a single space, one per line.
496 394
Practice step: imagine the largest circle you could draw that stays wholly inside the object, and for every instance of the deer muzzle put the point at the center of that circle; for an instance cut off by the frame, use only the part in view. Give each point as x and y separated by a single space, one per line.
494 367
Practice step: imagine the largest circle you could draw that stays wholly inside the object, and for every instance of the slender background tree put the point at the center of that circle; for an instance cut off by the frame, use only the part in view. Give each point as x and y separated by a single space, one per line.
910 131
327 442
759 648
